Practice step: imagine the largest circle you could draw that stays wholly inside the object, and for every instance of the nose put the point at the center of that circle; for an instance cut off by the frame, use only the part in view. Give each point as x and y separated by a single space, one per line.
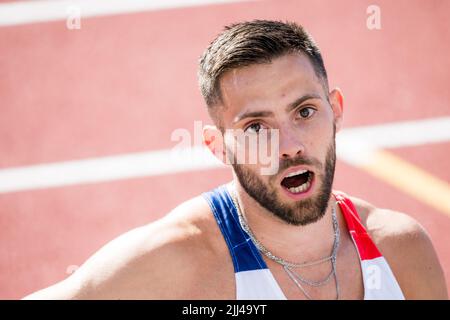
291 144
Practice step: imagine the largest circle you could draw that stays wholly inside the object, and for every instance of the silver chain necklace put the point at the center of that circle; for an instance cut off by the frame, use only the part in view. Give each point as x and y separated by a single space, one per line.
287 265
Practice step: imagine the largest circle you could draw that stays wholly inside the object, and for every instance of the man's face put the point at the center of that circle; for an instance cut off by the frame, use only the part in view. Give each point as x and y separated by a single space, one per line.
285 95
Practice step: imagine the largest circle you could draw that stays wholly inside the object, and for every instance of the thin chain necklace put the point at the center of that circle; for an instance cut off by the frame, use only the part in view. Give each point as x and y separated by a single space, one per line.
287 265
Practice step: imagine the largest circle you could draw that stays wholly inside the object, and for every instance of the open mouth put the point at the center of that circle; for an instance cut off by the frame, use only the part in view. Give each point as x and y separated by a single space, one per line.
298 181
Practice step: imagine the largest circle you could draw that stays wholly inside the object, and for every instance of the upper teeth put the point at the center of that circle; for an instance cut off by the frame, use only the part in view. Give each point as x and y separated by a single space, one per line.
296 173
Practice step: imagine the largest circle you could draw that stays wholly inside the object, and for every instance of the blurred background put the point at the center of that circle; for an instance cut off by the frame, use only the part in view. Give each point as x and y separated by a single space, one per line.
91 92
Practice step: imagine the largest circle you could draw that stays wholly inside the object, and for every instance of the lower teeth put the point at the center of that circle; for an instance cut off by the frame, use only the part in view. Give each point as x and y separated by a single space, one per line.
301 188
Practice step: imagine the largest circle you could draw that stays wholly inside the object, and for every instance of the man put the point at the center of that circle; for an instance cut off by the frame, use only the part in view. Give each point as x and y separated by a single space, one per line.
267 236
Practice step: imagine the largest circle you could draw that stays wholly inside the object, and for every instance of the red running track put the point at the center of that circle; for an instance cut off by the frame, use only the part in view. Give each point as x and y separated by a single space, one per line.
123 83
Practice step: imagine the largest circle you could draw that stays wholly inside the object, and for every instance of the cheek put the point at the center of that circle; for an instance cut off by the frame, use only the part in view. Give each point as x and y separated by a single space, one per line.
258 173
322 129
252 151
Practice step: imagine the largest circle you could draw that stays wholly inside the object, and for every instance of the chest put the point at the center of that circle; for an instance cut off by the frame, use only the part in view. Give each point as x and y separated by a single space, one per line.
347 280
218 280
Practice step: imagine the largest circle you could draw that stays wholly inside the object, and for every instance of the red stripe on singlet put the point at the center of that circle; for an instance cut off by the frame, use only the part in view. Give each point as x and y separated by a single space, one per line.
366 248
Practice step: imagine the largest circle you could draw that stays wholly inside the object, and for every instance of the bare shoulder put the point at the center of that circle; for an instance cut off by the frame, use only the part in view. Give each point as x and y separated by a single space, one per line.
408 249
162 260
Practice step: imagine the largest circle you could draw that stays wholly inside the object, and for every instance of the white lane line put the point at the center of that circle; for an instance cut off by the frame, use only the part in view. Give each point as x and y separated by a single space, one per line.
106 169
356 146
401 134
23 12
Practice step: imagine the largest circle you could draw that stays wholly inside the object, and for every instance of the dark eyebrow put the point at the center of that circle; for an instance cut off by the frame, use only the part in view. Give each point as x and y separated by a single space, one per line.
263 114
254 114
300 100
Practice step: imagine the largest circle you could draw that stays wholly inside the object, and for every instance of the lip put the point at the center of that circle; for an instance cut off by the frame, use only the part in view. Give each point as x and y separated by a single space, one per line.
301 195
294 169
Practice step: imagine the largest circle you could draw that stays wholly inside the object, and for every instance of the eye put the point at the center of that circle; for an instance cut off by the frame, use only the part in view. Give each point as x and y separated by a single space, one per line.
254 128
307 112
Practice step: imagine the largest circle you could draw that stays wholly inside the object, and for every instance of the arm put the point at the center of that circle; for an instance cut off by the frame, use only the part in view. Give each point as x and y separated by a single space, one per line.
142 263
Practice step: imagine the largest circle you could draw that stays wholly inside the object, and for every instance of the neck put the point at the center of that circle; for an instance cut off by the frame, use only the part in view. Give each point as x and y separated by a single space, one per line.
293 243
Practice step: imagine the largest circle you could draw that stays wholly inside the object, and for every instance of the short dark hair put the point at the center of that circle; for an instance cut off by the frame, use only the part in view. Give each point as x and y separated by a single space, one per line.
253 42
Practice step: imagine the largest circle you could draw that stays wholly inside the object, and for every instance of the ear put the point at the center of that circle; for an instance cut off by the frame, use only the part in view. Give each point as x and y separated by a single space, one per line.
337 104
213 139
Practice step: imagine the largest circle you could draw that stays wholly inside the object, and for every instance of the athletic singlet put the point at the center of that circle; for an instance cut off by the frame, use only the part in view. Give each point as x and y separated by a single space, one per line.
254 280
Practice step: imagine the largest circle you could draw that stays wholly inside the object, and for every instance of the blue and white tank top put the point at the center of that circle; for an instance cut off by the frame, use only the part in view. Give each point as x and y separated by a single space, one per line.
255 281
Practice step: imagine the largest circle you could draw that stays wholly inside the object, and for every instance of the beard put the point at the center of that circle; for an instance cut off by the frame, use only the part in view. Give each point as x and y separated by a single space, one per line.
302 212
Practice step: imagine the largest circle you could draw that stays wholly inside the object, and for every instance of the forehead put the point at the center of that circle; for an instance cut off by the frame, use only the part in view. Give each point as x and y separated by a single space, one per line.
269 85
